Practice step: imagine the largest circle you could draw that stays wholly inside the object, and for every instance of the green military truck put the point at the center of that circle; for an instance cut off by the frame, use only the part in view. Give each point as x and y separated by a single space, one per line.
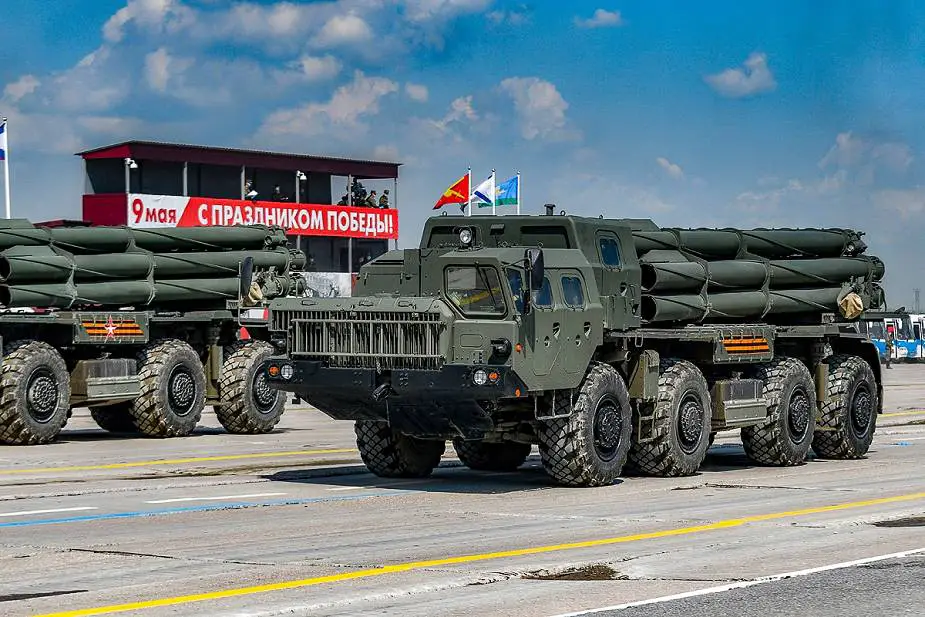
605 342
140 325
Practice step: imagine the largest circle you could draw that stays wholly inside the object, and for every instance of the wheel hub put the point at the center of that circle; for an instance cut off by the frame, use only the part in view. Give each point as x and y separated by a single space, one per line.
690 423
42 396
181 391
265 397
861 411
798 414
608 428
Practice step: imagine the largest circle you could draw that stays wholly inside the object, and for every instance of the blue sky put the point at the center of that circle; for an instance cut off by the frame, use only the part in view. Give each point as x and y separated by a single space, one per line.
789 113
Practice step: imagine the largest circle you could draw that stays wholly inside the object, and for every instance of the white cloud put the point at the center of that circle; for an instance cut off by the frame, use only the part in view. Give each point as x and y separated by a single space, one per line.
340 115
672 169
346 29
160 66
416 92
907 202
513 17
539 106
94 84
154 15
753 77
601 19
319 68
865 158
433 10
23 86
767 201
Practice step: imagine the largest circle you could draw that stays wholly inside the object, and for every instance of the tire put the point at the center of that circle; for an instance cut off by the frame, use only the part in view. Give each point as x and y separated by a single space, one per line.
784 440
482 456
114 418
590 446
173 390
35 393
389 454
849 414
251 406
682 423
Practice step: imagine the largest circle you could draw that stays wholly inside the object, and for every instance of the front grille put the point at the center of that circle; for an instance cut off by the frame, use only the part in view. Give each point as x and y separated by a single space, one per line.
367 339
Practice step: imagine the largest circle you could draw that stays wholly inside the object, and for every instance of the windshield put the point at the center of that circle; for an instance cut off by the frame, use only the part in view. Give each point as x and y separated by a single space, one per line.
475 290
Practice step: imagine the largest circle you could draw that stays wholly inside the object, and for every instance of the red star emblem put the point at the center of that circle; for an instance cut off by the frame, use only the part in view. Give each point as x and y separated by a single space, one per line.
110 328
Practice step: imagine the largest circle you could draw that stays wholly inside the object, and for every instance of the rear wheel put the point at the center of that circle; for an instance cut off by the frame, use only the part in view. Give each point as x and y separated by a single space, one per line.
173 389
785 439
481 456
681 423
390 454
35 393
849 415
590 445
114 418
250 405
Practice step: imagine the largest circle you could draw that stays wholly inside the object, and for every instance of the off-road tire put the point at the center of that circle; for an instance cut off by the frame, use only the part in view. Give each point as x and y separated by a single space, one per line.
114 418
784 440
171 403
250 406
35 393
850 410
571 454
672 451
481 456
390 454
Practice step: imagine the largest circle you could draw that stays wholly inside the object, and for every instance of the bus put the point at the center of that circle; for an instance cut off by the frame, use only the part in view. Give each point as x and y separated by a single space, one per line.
908 329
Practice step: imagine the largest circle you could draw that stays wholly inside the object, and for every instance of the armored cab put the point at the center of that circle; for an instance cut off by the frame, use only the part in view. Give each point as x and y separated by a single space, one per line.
606 342
139 325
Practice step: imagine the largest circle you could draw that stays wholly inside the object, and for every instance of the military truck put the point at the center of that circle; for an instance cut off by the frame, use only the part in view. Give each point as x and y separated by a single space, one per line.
608 343
140 325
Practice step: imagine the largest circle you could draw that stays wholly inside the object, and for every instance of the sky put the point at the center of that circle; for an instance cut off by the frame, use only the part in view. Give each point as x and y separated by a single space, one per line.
727 113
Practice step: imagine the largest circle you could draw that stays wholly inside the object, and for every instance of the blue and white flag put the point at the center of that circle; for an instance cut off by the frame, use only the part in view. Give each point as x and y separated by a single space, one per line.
508 192
3 141
483 195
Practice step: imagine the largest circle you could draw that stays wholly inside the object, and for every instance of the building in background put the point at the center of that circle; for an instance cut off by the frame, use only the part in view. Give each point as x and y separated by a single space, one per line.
152 184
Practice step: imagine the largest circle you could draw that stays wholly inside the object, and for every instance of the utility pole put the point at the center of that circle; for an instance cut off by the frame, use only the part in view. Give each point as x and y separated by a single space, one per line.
917 304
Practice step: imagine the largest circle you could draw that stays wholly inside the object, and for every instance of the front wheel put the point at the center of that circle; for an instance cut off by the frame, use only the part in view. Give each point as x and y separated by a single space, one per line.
390 454
849 413
249 404
173 389
590 445
35 393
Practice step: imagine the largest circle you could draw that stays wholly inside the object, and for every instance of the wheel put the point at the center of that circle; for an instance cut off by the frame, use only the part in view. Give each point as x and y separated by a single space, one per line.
482 456
849 415
681 426
390 454
784 440
250 405
173 389
589 447
114 418
35 393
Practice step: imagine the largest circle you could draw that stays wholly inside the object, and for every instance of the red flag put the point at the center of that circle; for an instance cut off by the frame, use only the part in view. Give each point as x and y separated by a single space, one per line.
458 193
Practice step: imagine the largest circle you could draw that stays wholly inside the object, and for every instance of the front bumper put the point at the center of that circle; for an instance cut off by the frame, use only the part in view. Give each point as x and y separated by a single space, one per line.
440 403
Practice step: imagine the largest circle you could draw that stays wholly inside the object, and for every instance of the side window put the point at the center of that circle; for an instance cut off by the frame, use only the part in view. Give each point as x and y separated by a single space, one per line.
917 332
544 295
515 279
573 291
610 252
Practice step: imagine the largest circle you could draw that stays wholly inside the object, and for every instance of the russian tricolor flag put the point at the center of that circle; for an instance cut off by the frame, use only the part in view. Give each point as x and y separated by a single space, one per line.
3 141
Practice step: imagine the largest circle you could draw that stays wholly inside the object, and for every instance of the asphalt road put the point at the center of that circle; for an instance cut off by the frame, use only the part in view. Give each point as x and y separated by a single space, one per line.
290 523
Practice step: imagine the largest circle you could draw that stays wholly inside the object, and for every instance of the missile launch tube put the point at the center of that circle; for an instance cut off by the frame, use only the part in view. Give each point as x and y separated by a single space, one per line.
43 268
738 305
163 240
187 265
92 240
196 290
733 274
47 296
767 243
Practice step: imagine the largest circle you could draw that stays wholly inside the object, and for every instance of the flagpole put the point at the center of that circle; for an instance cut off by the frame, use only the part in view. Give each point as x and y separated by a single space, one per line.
518 193
494 196
469 193
6 167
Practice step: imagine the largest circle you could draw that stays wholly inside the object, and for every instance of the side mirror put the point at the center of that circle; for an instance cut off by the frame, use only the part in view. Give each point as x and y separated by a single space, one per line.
247 277
536 269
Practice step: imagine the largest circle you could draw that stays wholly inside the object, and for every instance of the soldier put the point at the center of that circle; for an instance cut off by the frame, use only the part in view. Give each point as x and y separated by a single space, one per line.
384 200
372 200
889 346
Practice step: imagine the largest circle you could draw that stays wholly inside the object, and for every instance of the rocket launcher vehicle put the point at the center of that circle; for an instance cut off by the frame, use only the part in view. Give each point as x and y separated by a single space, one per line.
703 275
119 266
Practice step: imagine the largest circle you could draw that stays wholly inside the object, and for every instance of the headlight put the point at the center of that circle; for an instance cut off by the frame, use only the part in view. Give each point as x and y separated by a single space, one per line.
273 371
465 236
286 371
480 377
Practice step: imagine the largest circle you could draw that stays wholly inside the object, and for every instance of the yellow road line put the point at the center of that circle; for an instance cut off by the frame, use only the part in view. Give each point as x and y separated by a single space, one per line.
894 414
462 559
179 461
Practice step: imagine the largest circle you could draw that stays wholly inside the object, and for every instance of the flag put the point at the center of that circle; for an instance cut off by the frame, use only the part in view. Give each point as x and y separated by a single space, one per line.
508 192
3 141
456 194
484 194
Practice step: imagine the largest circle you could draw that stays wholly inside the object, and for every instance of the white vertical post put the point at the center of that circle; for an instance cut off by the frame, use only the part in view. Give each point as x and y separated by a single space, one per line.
243 180
185 179
6 168
350 240
493 197
395 202
128 177
469 192
298 186
519 199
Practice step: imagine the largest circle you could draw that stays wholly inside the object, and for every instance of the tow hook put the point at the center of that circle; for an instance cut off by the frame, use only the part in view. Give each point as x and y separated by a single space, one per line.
382 391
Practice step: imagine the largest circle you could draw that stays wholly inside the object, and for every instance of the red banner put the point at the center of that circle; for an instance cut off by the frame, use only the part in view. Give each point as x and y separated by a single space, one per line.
297 219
